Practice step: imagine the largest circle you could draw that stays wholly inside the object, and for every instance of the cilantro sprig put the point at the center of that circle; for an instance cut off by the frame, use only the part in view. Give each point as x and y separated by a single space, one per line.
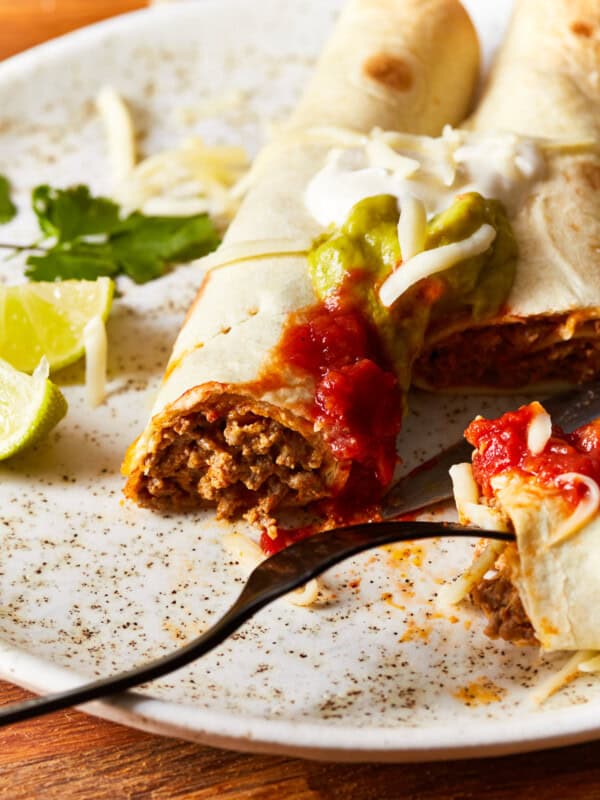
7 207
85 237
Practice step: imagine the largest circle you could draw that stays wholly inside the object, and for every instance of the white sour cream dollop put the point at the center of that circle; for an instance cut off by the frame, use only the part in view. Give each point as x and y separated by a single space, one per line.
434 171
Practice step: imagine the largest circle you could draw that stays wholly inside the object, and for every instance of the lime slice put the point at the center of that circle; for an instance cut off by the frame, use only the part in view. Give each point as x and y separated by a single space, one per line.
30 406
48 319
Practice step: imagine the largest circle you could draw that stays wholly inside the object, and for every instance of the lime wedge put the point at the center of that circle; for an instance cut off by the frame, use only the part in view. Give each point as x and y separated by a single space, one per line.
30 406
48 319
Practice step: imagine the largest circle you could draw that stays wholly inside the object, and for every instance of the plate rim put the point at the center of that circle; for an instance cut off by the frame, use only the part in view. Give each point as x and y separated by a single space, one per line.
259 735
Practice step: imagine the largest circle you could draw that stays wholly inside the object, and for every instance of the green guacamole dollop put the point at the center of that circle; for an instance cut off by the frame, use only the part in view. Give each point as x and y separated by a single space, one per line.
353 260
482 283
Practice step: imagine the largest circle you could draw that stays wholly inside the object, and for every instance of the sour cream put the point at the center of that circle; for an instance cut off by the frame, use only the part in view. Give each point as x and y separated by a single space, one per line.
434 171
345 180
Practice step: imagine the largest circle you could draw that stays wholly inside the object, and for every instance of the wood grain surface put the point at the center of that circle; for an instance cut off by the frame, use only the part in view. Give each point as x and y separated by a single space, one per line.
70 755
24 23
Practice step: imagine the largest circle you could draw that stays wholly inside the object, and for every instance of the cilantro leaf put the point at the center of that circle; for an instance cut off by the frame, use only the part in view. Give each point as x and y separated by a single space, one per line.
7 207
90 239
68 214
78 261
144 247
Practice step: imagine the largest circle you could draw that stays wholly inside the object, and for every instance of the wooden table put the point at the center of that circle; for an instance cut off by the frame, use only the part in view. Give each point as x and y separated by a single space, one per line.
70 755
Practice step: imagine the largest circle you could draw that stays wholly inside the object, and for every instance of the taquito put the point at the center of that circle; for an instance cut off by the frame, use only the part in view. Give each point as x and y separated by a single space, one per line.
234 425
546 83
531 478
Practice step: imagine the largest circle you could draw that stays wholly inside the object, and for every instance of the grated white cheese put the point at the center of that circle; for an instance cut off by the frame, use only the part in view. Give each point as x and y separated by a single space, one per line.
120 133
539 430
483 517
192 178
380 154
472 512
502 165
430 262
257 248
453 593
585 510
95 343
412 227
560 679
464 486
249 554
592 665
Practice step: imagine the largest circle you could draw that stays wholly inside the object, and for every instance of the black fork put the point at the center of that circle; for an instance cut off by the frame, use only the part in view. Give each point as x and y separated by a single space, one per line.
287 570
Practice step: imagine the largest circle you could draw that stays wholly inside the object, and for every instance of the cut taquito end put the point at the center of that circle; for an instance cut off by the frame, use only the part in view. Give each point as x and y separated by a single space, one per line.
545 84
545 483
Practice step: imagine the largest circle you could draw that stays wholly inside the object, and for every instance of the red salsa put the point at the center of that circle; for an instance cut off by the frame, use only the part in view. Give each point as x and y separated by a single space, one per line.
357 401
357 404
501 446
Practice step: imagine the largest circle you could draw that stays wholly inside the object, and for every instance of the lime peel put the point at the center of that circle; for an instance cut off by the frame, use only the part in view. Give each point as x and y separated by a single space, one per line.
30 406
49 319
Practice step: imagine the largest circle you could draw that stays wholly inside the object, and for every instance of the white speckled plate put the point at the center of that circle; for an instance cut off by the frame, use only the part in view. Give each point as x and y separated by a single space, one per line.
89 586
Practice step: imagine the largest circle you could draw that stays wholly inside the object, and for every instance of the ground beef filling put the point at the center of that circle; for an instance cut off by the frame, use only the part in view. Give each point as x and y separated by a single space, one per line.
499 600
510 356
241 463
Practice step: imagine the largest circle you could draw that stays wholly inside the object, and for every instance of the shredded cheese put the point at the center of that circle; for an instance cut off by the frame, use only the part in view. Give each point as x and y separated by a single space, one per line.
192 178
95 343
584 511
453 593
583 661
593 665
412 227
483 516
466 496
249 554
471 511
464 486
539 430
434 155
433 261
259 248
560 679
120 133
380 154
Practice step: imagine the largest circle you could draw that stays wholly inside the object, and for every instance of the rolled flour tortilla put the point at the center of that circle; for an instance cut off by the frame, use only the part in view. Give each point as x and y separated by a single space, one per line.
544 485
546 83
228 430
558 584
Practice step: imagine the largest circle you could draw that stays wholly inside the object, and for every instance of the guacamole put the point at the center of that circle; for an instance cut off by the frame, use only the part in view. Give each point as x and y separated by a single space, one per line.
352 262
